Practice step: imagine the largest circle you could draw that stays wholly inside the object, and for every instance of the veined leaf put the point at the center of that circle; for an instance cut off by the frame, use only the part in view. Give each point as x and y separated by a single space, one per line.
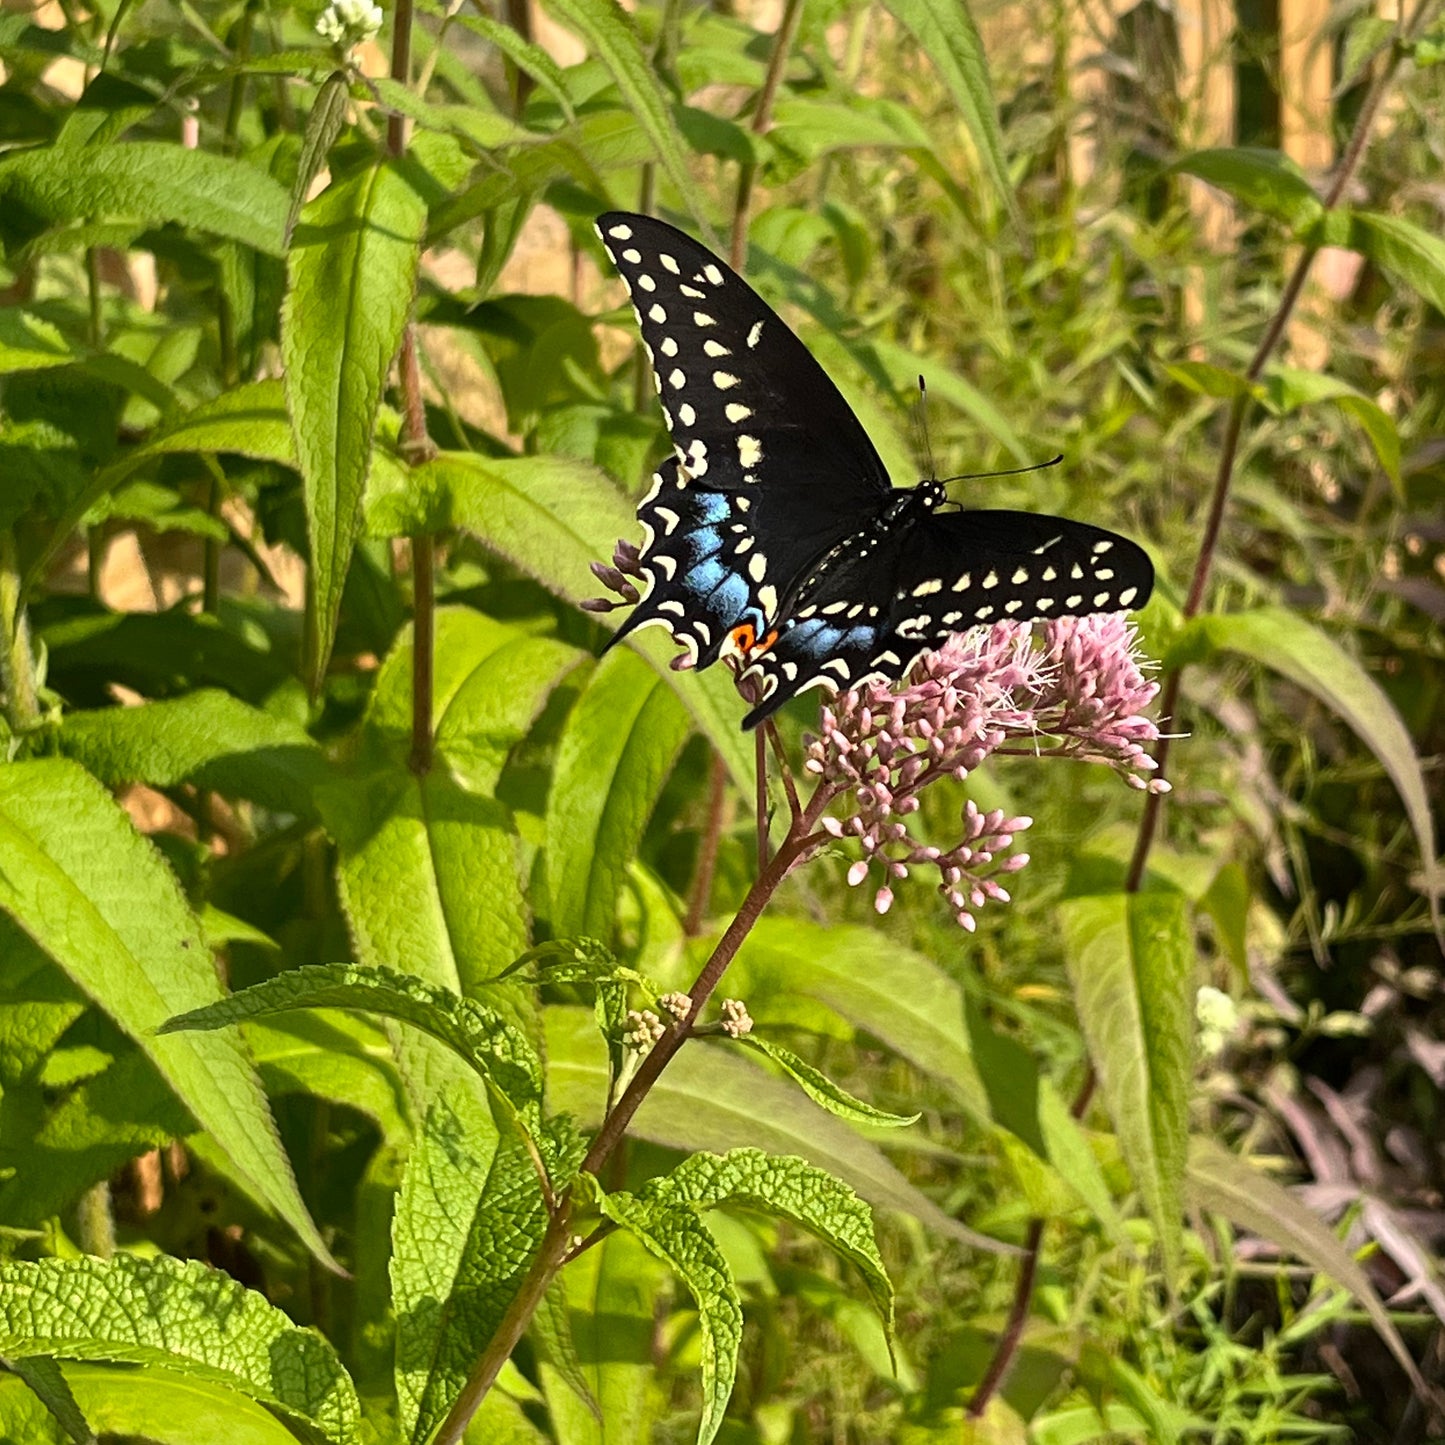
153 181
96 896
30 343
468 1221
618 747
1131 958
499 1053
679 1238
182 1314
791 1189
352 271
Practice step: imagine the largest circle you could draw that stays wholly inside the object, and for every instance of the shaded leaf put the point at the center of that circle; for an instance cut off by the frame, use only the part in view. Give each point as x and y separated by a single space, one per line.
1267 181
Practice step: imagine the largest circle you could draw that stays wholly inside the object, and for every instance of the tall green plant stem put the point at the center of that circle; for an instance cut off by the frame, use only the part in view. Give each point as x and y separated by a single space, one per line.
1239 412
17 663
417 447
556 1244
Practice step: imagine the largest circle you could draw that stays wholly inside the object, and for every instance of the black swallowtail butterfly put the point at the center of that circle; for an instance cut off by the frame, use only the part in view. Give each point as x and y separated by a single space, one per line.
773 534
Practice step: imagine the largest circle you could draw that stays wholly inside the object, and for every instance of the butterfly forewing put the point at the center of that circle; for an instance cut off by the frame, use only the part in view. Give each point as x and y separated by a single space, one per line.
772 533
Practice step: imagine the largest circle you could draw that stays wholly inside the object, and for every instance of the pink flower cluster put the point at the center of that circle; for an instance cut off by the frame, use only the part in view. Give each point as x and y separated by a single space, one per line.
1077 690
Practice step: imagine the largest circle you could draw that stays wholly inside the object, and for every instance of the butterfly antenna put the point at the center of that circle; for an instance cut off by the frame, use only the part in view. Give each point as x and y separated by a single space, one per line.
1008 472
920 429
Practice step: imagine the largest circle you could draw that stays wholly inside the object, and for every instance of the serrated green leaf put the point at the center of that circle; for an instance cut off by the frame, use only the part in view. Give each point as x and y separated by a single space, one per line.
352 270
681 1240
96 896
44 1378
152 181
619 744
1267 181
30 343
1131 961
610 1295
792 1189
468 1222
611 37
323 125
499 1053
823 1091
948 37
529 58
1311 658
710 1098
207 738
1408 252
180 1313
1248 1197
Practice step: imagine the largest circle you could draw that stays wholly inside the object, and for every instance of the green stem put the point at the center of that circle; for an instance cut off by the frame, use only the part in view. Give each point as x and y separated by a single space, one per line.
17 662
95 1220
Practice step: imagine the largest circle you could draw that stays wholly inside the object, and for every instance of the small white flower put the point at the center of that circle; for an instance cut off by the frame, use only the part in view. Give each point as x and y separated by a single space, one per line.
1217 1017
646 1029
677 1004
349 22
736 1020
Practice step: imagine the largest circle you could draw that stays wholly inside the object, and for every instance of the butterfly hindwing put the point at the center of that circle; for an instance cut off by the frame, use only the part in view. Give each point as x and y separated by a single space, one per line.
936 574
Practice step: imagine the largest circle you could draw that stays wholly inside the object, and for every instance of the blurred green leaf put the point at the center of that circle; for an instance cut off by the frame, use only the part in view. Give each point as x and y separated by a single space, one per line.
1267 181
1248 1197
1408 252
1297 649
1288 388
1131 961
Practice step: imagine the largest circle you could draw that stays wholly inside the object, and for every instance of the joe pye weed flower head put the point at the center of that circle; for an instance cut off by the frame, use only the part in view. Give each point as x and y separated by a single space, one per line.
1075 688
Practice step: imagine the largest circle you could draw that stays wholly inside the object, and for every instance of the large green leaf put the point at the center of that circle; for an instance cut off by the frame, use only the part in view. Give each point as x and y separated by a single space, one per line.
96 896
468 1222
1131 961
152 181
610 1295
611 37
947 35
352 272
207 738
1300 651
182 1314
621 739
1249 1197
430 867
679 1238
485 1042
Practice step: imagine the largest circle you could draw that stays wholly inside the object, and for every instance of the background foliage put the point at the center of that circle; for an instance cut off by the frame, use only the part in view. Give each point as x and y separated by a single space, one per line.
239 537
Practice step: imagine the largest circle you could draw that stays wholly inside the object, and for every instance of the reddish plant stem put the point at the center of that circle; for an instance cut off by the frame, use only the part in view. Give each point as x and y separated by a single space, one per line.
1239 411
557 1243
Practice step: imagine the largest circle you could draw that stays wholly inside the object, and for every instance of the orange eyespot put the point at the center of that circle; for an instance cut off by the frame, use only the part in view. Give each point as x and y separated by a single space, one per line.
743 638
768 641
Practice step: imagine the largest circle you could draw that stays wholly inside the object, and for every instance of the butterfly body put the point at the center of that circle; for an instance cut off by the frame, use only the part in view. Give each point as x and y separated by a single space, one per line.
773 535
